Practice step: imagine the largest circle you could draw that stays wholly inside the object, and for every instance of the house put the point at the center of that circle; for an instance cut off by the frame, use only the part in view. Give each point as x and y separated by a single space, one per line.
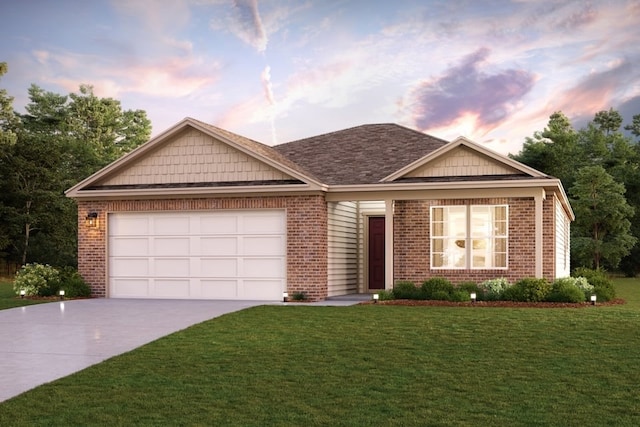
200 212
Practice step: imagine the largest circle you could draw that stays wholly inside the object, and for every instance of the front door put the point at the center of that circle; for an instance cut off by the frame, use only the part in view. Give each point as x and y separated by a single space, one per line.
376 253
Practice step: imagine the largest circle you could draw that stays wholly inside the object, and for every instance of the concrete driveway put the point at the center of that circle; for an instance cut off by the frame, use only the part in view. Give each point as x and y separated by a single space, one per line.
41 343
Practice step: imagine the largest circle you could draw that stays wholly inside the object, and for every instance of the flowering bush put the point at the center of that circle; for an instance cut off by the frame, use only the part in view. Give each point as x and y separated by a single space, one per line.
494 288
37 279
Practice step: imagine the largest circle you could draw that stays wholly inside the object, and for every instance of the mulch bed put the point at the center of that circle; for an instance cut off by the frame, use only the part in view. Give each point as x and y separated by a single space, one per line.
509 304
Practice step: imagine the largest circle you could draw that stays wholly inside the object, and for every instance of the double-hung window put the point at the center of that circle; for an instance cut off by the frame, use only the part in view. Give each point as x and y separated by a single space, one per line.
469 237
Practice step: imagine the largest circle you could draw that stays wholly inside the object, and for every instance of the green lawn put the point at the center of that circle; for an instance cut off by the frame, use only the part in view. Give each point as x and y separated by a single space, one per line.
366 365
8 297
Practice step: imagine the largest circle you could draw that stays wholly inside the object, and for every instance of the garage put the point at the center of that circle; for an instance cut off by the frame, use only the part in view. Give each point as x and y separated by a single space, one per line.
237 255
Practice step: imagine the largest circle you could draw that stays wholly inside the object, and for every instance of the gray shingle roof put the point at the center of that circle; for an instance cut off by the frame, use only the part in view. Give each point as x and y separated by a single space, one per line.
359 155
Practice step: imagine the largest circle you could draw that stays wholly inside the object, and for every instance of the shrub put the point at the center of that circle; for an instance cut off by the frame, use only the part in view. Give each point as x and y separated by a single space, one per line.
299 296
512 293
384 295
437 288
493 289
37 280
73 284
602 286
406 290
533 289
469 287
566 290
460 295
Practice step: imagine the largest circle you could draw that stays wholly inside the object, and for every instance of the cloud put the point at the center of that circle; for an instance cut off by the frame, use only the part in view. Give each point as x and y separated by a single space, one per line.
466 91
248 24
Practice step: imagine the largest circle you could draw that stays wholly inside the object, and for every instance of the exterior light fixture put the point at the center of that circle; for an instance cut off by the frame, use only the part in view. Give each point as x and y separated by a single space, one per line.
22 293
376 297
92 219
473 297
593 299
285 296
61 293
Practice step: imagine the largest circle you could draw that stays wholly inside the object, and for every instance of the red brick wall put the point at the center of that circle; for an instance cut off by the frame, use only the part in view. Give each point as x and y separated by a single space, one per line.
306 236
412 241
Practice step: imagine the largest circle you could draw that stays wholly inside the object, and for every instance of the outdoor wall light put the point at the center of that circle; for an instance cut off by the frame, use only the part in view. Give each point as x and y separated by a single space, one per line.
22 293
473 296
593 299
285 296
376 297
61 293
92 219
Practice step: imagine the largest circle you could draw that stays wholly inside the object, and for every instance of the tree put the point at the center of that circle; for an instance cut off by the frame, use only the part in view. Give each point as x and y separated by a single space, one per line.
601 233
59 141
634 127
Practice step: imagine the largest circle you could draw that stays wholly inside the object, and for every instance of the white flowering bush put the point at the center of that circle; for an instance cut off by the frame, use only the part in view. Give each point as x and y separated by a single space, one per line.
36 280
494 288
583 284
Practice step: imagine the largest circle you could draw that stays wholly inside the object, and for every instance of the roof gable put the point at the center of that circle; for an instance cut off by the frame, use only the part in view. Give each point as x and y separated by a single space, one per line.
463 158
194 154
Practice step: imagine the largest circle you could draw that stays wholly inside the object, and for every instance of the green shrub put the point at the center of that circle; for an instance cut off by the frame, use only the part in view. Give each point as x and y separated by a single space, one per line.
73 284
37 280
512 293
469 287
460 295
492 290
437 288
385 295
566 290
406 290
299 296
602 285
533 289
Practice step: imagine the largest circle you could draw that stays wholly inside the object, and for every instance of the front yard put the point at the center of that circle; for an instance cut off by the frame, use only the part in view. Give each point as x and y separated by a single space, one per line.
366 365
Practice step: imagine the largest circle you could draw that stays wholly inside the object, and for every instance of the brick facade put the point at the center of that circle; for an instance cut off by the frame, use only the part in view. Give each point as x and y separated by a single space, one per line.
306 236
412 241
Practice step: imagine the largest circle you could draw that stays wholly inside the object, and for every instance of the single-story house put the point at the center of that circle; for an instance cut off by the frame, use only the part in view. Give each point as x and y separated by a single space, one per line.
200 212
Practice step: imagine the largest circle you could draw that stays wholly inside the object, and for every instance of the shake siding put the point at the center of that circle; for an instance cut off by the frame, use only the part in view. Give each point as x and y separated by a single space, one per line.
343 248
462 162
195 157
365 209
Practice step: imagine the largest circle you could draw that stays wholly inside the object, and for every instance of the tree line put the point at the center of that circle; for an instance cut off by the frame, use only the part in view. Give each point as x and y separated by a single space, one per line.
599 166
60 140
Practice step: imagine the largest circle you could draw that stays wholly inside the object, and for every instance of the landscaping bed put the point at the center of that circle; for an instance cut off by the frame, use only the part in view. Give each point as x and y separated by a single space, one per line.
510 304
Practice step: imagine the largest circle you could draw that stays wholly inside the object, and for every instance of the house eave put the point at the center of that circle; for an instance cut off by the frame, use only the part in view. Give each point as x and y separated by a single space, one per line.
188 192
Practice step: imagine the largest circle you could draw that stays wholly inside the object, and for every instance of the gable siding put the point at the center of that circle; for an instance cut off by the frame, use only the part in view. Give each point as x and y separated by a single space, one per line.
191 157
461 162
343 248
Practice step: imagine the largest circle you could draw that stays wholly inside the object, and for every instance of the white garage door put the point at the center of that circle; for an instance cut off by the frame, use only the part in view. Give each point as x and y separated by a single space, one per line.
198 255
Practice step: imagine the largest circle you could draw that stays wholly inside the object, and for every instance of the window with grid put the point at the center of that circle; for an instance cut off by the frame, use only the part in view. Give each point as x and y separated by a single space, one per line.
469 237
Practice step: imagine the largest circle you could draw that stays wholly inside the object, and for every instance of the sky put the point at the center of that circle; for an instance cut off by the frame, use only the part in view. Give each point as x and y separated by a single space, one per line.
277 71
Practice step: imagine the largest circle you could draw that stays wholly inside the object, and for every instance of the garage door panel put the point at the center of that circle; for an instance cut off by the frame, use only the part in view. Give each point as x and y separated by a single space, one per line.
218 246
262 223
261 267
264 245
171 225
130 267
130 287
219 224
260 289
167 288
207 255
171 246
219 267
219 289
132 226
130 246
172 267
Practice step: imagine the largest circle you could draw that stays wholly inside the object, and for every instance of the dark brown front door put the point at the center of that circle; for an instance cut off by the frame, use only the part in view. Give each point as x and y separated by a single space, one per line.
376 253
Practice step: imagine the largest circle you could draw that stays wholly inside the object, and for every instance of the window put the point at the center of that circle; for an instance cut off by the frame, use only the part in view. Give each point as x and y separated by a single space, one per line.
469 237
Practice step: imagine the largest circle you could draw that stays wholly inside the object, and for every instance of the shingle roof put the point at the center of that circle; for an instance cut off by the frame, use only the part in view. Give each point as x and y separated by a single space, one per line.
359 155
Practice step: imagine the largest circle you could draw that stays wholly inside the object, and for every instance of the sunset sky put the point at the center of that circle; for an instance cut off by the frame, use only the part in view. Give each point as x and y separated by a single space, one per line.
276 71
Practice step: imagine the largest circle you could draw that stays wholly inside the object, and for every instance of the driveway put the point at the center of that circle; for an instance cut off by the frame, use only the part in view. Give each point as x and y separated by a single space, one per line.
41 343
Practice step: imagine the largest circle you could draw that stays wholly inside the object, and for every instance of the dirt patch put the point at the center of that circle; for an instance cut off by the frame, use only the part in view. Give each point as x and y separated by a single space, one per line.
509 304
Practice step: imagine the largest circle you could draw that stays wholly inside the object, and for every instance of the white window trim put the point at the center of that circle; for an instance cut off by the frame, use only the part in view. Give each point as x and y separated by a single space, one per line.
468 250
